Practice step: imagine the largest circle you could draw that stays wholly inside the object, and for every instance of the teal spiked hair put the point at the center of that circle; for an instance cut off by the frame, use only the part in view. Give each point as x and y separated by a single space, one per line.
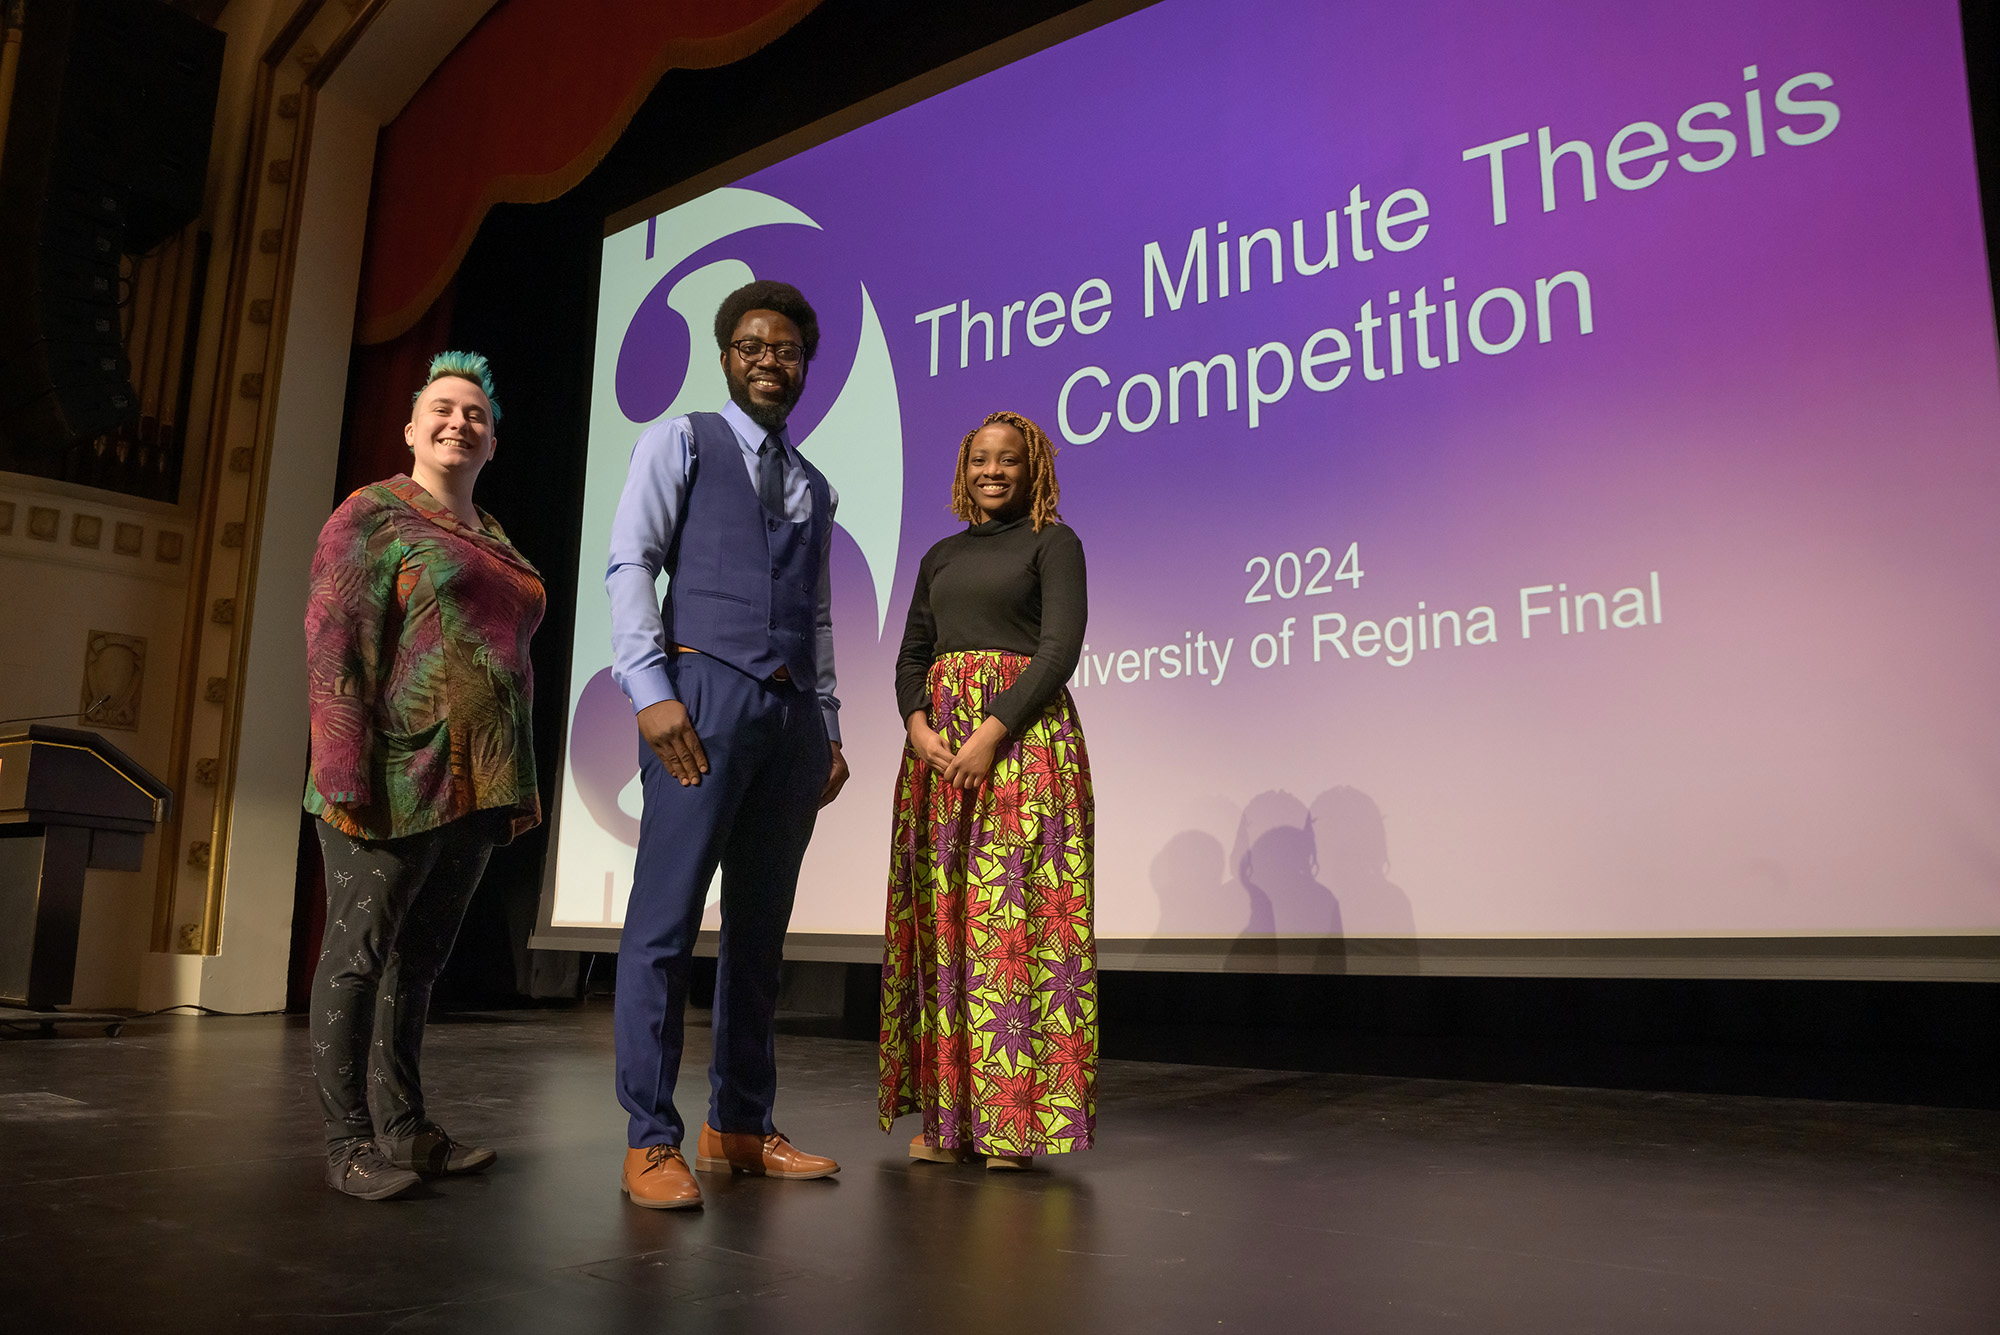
465 366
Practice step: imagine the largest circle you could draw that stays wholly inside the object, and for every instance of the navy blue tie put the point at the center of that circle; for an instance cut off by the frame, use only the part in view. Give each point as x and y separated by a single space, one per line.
771 476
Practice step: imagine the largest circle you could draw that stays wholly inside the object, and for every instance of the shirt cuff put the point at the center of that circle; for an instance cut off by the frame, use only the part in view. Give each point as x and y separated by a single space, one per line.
831 714
648 686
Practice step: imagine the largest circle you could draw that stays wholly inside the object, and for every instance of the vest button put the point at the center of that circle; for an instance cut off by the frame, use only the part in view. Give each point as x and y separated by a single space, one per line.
773 523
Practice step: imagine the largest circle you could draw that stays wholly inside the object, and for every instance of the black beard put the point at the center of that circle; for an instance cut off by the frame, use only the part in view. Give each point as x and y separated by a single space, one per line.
770 416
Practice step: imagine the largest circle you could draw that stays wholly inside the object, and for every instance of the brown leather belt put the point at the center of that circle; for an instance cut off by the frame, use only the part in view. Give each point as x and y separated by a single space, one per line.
783 674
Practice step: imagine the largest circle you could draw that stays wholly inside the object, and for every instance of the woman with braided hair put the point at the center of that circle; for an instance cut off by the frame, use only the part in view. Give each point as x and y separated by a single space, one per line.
989 982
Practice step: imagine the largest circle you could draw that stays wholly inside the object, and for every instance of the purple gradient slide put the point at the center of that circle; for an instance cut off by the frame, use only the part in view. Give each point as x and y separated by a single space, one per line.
1537 462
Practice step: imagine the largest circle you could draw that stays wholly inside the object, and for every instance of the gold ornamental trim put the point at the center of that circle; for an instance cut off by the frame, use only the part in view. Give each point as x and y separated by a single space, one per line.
236 469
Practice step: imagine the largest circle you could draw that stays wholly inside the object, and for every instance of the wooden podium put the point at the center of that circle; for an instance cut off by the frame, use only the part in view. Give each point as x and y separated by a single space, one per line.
69 800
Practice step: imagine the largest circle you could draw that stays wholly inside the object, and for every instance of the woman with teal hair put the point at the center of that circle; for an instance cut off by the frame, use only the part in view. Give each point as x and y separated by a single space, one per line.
419 686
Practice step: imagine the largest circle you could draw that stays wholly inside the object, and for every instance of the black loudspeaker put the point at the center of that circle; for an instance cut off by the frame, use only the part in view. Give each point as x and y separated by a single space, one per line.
106 155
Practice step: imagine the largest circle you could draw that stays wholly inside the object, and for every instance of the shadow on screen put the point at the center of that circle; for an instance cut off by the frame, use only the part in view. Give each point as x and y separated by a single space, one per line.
1187 877
1303 878
1352 841
1276 866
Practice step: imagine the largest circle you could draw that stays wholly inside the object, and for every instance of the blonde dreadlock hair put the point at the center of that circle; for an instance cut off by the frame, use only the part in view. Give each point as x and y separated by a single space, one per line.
1042 486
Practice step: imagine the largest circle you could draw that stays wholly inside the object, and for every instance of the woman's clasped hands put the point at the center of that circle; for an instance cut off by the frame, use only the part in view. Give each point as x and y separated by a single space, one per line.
966 768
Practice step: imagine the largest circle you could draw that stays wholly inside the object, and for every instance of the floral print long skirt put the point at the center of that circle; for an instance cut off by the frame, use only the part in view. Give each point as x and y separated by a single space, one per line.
989 977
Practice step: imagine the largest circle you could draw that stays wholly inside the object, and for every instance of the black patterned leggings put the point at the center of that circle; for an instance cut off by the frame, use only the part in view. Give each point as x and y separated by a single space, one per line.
393 907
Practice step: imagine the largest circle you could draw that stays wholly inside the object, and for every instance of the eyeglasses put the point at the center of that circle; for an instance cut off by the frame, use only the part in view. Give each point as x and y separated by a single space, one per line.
753 350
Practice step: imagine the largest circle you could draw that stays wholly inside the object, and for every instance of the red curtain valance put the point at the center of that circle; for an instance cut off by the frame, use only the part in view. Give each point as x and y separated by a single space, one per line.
520 112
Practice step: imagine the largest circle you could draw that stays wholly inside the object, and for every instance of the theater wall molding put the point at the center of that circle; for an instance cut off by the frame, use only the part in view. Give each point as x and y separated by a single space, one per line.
212 581
194 601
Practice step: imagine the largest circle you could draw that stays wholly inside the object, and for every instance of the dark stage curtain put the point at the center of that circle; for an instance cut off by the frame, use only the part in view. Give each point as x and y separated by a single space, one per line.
530 101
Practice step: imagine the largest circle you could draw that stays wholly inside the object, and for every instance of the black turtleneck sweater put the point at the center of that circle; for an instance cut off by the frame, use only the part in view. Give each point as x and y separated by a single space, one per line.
997 586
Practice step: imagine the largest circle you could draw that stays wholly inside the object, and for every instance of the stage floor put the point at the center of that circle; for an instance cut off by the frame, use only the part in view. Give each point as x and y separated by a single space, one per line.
169 1180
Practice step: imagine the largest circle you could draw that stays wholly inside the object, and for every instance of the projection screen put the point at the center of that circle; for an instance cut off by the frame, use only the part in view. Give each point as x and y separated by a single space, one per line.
1536 462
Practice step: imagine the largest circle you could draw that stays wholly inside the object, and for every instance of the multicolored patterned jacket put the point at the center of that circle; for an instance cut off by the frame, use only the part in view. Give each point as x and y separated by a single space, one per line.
417 670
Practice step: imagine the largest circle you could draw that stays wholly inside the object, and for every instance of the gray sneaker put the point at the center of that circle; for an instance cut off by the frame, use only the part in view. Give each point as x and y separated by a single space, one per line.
430 1149
362 1172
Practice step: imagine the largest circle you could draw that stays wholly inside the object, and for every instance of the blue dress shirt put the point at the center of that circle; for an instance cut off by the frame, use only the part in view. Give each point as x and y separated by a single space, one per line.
649 511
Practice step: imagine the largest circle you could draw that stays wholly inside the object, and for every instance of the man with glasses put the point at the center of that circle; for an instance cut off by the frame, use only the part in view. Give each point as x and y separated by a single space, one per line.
732 682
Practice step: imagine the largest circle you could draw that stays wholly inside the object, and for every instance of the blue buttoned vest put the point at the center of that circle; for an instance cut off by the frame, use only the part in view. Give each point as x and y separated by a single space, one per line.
745 582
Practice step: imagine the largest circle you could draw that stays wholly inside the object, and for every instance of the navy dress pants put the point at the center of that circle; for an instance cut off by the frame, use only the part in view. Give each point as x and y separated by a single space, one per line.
752 814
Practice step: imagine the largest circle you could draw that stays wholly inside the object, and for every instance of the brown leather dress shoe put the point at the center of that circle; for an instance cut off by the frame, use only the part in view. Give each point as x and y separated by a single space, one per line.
760 1156
658 1178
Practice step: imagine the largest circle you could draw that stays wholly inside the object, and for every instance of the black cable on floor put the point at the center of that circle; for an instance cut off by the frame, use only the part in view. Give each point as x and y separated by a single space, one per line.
36 1024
